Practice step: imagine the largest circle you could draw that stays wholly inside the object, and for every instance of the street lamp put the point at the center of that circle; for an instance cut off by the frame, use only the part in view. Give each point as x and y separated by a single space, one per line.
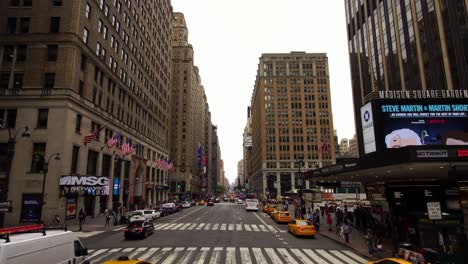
300 182
45 169
12 135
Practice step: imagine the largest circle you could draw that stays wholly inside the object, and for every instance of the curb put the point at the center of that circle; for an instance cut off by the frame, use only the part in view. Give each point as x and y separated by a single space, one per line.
348 246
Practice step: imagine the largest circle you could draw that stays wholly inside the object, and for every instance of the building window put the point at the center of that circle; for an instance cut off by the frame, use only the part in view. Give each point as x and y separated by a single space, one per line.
14 2
21 53
24 24
38 157
52 52
88 11
81 88
49 80
98 48
9 119
84 62
85 35
56 2
99 28
11 25
106 165
91 167
18 80
55 24
42 116
104 32
74 160
78 123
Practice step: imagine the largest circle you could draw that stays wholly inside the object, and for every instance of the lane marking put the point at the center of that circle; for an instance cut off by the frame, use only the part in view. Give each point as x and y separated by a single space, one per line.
230 255
207 227
149 253
223 227
245 255
342 256
200 226
273 256
172 256
215 226
176 226
239 227
354 256
187 215
263 228
285 254
328 256
255 228
187 256
120 228
259 257
137 251
301 256
216 257
315 257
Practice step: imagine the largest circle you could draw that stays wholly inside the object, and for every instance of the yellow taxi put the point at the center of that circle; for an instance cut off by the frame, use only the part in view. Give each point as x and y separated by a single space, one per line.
201 202
269 208
390 261
283 217
273 213
126 260
300 227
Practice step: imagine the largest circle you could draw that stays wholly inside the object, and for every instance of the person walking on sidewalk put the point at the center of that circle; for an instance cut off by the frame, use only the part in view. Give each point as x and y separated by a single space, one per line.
81 218
108 218
346 231
329 221
370 241
56 220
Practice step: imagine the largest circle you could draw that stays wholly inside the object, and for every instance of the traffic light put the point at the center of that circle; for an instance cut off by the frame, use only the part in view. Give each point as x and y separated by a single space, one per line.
178 185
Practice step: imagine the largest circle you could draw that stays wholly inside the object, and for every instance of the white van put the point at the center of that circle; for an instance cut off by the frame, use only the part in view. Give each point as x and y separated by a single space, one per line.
49 246
251 204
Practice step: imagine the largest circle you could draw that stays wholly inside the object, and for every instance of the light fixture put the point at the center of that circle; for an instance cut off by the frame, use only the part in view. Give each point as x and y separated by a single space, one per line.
411 168
26 132
441 167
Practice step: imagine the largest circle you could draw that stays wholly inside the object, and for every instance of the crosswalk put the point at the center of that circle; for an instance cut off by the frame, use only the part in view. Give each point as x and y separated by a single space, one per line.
217 227
228 255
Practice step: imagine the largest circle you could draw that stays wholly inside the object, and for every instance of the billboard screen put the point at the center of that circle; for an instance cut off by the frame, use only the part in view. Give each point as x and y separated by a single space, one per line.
422 122
367 119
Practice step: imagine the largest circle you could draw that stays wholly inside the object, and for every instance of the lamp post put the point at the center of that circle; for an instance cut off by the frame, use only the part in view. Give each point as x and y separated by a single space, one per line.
45 169
12 135
300 181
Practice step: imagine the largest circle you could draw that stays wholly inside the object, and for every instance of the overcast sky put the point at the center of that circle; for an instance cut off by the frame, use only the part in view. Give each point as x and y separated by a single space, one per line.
229 37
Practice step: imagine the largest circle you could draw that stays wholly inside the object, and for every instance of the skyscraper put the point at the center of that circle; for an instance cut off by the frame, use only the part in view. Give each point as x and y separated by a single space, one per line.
291 120
70 68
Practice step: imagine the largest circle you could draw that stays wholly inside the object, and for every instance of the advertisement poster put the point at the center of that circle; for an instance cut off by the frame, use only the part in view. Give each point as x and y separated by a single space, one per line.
31 208
71 208
368 128
415 123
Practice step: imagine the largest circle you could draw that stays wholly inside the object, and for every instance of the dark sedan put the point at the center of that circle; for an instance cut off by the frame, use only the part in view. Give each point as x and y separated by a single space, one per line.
140 229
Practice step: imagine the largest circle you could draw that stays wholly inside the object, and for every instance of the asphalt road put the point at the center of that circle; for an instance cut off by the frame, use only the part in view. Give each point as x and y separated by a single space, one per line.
224 233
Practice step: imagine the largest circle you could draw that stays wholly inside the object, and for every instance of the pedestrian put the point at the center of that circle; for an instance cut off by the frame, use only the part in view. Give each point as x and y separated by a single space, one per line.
370 241
329 221
317 223
378 245
108 218
56 219
346 231
322 211
81 218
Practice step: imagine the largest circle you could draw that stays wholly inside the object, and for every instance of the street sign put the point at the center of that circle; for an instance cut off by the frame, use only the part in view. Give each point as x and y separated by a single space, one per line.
433 211
6 206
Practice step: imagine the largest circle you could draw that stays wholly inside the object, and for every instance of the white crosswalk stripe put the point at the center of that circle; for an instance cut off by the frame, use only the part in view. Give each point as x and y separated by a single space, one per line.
228 255
216 227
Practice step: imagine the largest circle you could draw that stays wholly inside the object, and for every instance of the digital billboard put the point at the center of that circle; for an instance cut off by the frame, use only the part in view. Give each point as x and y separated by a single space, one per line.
421 122
368 134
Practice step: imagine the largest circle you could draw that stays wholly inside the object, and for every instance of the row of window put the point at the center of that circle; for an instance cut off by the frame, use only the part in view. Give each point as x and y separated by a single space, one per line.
22 25
28 3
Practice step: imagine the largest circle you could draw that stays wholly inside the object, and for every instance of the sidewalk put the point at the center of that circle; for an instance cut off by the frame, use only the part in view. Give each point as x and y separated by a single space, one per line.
357 241
92 224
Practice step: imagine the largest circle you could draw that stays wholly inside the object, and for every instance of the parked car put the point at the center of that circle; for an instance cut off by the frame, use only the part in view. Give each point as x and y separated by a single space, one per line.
138 215
140 229
217 200
239 201
153 213
201 202
170 208
186 204
210 203
193 203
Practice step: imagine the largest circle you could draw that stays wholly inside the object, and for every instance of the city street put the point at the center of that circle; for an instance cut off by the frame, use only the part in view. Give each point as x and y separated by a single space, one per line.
224 233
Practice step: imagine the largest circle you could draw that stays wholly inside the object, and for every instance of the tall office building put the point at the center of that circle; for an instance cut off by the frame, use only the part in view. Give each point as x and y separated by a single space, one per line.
69 68
247 151
291 117
406 49
190 121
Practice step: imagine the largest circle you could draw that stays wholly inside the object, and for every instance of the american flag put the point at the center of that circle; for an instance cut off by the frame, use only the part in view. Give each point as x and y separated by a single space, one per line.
126 148
325 147
113 140
92 136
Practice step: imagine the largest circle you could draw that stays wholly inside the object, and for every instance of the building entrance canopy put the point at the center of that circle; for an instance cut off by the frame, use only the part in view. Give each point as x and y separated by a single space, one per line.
403 164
